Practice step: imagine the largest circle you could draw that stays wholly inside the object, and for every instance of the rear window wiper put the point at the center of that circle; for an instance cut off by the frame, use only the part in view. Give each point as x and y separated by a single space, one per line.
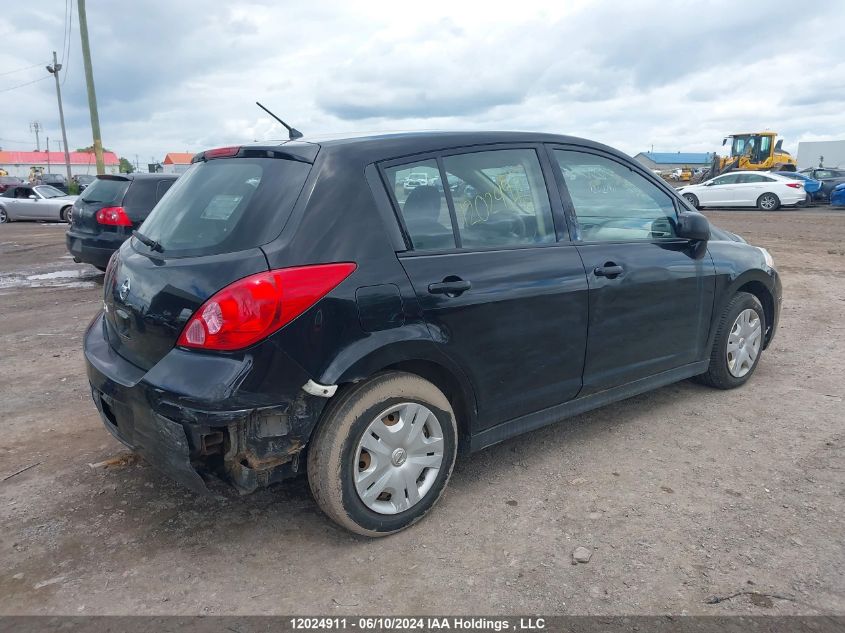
154 246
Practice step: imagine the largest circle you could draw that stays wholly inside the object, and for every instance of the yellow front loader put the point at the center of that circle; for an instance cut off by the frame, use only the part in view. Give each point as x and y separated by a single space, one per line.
755 151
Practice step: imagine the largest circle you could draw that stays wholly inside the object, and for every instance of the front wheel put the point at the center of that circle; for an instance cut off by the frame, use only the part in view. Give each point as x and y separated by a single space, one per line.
383 453
768 202
4 217
738 344
692 199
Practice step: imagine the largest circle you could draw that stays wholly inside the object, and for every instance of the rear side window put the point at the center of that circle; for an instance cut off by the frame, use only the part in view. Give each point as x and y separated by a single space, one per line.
226 205
162 187
752 178
107 191
422 201
141 197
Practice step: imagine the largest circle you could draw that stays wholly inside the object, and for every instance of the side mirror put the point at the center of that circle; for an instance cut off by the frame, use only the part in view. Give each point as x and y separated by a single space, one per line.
32 196
708 184
693 226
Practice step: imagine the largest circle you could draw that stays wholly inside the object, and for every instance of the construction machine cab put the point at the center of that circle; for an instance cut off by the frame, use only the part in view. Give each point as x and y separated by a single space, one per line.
755 151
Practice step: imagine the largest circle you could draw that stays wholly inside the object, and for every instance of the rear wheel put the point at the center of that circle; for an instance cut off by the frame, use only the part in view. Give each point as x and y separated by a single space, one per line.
4 217
65 214
738 344
692 199
383 453
768 202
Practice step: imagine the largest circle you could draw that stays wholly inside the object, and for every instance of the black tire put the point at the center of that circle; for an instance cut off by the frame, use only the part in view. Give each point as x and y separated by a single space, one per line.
692 199
333 447
4 216
768 202
65 214
718 375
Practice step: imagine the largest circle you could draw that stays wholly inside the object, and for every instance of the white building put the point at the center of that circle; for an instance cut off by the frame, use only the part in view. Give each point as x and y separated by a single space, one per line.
810 153
176 162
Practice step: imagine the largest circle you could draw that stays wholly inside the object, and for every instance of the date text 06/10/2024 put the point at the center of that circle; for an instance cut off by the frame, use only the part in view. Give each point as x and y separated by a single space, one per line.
411 623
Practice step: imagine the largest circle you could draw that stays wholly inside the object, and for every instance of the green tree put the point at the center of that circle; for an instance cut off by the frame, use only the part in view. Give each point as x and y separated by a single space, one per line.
126 167
90 149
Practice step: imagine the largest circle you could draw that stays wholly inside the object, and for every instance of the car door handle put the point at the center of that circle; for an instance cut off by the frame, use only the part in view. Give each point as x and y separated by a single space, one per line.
609 270
449 287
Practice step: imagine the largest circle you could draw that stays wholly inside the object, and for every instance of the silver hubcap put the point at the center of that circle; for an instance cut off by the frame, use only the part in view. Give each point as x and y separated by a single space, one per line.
744 343
398 458
2 216
767 202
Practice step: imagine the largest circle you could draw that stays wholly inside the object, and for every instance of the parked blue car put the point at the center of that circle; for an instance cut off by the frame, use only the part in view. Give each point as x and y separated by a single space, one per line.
837 196
811 185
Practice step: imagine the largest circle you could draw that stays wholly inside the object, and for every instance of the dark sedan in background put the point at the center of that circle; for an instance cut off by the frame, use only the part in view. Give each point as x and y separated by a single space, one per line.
829 179
9 181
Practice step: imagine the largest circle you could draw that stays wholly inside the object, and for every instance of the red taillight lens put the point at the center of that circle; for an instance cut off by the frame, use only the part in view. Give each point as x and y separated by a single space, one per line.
794 185
254 307
113 216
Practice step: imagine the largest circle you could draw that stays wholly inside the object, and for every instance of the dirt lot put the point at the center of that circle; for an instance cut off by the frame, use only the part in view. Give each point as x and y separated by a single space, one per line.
682 494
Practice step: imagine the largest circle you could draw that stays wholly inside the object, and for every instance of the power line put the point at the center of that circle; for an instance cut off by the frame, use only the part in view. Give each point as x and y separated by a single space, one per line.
11 72
66 57
64 33
26 84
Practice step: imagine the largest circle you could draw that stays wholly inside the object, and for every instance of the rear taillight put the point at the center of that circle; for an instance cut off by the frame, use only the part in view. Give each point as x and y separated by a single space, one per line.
113 216
794 185
254 307
221 152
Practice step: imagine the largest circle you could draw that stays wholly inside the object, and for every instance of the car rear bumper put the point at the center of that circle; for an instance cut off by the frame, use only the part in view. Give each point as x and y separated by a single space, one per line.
187 418
92 249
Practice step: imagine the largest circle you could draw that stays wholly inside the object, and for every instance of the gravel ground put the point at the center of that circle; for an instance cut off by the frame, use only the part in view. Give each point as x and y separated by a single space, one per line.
677 496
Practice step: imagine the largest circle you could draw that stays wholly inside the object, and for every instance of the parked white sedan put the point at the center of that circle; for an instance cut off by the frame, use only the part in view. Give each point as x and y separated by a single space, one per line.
764 190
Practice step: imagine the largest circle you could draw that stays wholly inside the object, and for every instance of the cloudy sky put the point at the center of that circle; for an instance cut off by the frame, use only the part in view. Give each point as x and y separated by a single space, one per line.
183 75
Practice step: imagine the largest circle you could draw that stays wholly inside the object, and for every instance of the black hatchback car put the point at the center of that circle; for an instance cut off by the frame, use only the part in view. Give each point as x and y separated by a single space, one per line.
295 308
107 212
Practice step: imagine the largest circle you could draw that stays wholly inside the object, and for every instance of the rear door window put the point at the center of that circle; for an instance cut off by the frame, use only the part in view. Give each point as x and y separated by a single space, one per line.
226 205
500 198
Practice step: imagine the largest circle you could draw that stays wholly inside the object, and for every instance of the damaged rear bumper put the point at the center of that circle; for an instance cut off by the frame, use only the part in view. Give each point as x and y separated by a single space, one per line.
190 418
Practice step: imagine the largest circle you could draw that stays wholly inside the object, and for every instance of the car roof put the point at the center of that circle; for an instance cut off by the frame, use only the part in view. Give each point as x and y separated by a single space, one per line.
138 176
385 146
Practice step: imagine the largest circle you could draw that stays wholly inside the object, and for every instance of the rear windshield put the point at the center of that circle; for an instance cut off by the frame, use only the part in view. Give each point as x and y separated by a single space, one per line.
226 205
106 191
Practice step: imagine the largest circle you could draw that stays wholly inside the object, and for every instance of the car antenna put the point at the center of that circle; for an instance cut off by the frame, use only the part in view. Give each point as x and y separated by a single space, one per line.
293 133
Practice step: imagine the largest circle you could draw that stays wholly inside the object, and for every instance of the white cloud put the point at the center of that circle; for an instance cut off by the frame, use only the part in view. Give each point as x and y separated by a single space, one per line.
182 75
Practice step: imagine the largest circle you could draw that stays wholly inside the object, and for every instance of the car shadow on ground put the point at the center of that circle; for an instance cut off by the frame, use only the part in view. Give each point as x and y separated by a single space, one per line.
161 514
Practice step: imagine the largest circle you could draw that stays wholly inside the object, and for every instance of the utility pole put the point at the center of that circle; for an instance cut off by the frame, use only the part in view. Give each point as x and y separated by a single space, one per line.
54 70
92 95
48 154
35 126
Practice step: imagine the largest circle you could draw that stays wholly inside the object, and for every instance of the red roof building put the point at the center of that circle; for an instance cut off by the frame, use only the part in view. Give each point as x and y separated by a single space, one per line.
56 158
176 162
178 158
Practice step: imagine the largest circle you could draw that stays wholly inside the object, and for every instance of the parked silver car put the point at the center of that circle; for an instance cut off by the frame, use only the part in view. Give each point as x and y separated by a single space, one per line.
39 202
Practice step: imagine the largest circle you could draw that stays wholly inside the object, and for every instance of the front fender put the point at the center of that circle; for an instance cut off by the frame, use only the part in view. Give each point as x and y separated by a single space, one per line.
737 265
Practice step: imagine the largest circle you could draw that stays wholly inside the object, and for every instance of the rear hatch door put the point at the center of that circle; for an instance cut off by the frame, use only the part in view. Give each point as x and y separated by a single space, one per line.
105 191
207 231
